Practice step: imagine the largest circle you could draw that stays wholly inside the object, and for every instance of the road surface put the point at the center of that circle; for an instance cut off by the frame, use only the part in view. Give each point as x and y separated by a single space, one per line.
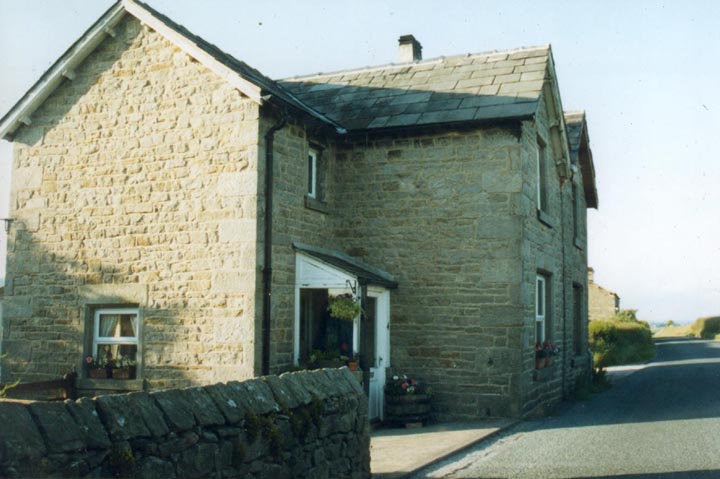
660 422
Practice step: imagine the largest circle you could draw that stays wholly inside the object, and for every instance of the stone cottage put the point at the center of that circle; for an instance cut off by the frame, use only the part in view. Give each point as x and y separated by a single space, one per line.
176 208
602 303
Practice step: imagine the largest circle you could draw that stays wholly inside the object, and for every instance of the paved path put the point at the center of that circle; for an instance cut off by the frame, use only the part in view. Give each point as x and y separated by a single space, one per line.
661 422
395 453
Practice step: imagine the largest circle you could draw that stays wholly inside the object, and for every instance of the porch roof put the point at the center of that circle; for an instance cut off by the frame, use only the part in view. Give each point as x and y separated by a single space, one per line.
365 273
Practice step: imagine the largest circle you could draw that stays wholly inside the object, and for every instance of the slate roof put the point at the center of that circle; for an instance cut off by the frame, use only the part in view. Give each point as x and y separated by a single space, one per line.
495 85
365 273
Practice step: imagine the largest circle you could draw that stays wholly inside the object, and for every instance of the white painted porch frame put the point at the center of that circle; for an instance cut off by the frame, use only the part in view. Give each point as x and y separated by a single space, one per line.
311 273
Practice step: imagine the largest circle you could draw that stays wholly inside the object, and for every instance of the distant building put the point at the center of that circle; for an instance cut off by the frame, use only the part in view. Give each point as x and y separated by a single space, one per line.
603 303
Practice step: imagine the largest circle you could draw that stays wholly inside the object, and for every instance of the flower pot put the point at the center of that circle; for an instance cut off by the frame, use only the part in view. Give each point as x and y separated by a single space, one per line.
548 361
97 373
539 363
352 365
122 373
407 408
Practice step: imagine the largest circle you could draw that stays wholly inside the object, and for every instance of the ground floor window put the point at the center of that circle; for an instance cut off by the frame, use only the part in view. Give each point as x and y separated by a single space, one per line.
322 337
542 316
115 343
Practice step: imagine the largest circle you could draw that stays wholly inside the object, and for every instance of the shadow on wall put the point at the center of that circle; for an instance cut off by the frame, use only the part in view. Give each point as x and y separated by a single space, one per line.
49 303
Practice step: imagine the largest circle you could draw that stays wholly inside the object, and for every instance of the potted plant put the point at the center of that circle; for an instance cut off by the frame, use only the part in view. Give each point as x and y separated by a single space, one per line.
124 368
407 401
327 359
343 306
353 363
540 356
95 368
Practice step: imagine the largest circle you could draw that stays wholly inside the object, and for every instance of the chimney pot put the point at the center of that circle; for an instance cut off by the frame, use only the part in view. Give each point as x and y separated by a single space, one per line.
410 49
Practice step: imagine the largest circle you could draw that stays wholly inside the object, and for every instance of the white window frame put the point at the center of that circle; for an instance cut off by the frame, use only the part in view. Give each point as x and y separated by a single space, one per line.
313 173
541 312
98 340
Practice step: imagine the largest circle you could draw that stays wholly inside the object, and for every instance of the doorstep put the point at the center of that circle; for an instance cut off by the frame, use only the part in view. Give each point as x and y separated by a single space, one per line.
396 453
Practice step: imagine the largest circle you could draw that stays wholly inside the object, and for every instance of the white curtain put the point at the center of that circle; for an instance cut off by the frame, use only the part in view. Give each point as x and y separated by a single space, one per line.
108 323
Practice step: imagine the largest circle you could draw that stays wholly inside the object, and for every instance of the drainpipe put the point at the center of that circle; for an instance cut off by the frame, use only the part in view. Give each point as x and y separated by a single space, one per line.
267 269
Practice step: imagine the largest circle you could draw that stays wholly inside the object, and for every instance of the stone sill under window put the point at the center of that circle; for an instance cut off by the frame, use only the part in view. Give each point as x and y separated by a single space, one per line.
114 385
316 205
545 219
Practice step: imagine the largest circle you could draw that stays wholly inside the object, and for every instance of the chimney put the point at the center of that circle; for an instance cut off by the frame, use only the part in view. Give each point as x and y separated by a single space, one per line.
410 49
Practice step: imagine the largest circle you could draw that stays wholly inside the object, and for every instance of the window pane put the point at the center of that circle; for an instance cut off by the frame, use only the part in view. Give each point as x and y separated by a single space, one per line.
320 333
539 336
540 297
118 325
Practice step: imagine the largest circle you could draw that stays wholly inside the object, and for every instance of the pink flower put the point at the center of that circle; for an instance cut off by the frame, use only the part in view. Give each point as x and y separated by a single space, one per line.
89 359
404 385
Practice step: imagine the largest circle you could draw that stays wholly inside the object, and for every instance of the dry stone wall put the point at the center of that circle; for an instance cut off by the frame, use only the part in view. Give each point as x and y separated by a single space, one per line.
298 425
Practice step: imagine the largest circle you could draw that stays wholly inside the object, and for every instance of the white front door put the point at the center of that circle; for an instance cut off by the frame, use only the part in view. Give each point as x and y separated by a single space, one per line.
378 322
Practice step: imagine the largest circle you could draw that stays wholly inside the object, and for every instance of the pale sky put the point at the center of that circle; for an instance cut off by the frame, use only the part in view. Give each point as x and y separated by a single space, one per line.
646 73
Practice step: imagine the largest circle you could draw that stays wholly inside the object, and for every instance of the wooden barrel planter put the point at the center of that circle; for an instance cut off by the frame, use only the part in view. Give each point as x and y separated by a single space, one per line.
408 409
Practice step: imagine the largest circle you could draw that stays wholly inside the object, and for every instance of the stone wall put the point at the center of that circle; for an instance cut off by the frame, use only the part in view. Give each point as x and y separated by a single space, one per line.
136 184
603 303
549 247
436 210
298 425
295 218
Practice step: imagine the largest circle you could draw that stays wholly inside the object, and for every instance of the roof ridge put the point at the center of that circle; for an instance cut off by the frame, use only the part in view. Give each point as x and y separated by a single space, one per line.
410 64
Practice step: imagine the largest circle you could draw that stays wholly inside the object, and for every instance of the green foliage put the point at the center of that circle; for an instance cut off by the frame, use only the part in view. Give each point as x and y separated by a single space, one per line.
620 342
121 461
626 315
595 383
706 328
271 433
252 427
344 307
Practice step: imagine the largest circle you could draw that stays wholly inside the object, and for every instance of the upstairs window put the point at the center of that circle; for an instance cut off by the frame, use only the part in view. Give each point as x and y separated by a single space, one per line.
540 162
312 189
542 319
575 213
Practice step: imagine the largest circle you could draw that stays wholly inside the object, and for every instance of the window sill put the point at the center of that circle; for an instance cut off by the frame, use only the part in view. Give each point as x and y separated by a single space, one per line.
316 205
579 244
545 219
111 384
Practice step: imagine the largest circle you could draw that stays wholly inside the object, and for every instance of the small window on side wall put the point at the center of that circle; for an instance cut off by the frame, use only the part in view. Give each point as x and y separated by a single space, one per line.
115 343
542 313
540 164
313 184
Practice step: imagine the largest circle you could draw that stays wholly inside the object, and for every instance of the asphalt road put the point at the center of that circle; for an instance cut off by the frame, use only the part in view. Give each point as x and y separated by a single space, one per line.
661 422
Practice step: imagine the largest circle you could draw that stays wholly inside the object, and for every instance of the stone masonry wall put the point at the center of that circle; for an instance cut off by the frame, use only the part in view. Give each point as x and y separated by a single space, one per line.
603 303
549 247
136 184
435 210
293 221
300 425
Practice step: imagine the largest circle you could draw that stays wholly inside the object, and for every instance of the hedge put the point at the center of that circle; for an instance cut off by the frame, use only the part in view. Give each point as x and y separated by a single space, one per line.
620 342
706 328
